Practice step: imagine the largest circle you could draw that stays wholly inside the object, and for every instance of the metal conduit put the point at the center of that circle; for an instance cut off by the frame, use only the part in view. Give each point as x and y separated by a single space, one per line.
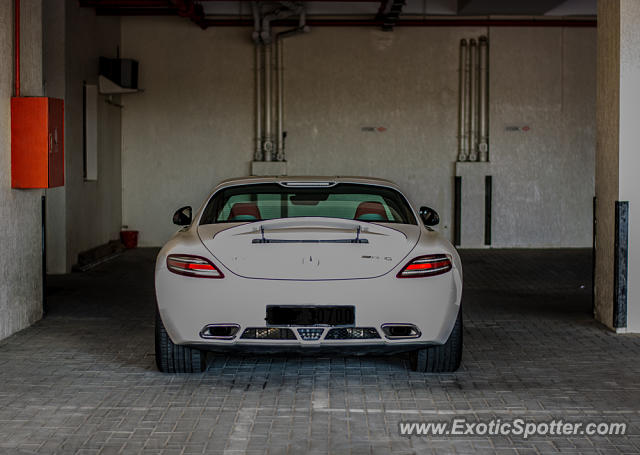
270 145
462 114
279 106
473 98
467 101
267 143
473 103
483 108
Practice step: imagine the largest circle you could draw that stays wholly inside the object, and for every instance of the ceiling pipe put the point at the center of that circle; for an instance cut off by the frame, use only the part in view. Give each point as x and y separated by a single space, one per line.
16 44
381 9
279 13
390 19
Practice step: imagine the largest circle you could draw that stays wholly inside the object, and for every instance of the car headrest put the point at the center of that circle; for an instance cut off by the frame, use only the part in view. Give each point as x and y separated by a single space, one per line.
244 211
371 211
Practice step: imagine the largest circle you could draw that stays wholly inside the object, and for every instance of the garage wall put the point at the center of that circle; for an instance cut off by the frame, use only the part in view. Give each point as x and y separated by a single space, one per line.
193 125
93 208
20 210
545 79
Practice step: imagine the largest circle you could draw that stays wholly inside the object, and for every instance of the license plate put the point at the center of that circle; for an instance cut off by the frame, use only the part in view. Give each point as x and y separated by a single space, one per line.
310 315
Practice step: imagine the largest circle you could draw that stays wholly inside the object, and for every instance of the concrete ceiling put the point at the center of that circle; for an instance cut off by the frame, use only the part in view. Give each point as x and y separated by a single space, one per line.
341 8
383 13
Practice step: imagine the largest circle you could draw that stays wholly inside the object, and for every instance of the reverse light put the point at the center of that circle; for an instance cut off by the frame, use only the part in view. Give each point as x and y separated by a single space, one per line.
431 265
196 266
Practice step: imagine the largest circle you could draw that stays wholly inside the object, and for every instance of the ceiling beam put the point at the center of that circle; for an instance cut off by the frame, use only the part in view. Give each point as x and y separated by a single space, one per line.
415 23
498 7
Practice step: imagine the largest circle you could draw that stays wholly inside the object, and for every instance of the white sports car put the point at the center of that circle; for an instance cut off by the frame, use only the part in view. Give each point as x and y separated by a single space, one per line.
306 264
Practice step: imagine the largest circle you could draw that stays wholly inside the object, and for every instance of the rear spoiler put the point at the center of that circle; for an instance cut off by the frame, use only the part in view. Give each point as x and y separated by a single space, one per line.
263 239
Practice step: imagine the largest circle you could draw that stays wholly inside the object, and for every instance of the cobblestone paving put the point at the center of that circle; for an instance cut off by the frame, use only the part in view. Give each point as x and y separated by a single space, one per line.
83 379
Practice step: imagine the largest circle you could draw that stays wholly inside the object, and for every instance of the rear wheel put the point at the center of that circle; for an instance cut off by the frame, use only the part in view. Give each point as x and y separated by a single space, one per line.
442 358
172 358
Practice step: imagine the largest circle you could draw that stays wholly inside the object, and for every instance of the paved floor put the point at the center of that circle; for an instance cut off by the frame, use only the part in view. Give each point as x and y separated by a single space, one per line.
83 380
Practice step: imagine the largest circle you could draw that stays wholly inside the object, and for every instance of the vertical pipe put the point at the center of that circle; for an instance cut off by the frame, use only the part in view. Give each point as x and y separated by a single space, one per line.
461 102
16 44
258 89
467 101
457 210
473 107
268 137
483 109
280 105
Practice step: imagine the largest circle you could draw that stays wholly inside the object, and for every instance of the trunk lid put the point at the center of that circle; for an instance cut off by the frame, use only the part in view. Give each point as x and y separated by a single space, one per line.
310 248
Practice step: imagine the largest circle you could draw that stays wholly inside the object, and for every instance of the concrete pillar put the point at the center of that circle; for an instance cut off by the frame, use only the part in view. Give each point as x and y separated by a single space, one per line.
20 210
617 297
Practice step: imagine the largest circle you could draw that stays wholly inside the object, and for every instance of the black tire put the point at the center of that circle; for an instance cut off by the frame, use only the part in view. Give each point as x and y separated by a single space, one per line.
443 358
172 358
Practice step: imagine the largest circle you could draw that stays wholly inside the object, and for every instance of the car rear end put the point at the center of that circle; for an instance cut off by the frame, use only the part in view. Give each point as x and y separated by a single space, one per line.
371 280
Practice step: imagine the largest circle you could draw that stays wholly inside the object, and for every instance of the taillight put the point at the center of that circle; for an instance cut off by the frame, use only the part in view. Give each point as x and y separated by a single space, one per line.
434 264
185 264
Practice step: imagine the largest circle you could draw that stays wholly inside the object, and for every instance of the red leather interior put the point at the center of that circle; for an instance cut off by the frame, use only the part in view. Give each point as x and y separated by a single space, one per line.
244 208
371 208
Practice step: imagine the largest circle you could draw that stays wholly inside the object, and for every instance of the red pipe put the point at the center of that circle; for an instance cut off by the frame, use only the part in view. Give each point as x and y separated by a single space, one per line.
16 44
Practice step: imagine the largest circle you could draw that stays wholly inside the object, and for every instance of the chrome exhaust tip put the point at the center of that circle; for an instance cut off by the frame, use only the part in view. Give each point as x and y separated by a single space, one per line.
219 331
398 331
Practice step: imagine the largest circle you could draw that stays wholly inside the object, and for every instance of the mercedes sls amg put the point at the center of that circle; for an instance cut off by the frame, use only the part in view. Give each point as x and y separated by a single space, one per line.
308 264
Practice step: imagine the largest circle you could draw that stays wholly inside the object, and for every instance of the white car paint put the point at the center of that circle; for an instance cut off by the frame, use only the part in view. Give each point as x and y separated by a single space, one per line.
261 274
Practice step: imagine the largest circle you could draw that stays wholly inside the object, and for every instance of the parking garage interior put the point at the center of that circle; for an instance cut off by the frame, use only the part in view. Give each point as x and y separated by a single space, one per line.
538 199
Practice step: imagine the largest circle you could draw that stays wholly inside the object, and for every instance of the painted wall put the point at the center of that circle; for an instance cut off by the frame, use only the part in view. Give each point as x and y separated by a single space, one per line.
20 210
543 78
193 125
83 214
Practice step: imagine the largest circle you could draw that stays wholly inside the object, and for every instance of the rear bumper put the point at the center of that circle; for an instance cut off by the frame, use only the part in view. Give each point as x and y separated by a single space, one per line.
355 349
187 304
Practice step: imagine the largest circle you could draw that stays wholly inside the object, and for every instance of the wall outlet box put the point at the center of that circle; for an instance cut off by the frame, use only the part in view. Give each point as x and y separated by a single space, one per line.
37 142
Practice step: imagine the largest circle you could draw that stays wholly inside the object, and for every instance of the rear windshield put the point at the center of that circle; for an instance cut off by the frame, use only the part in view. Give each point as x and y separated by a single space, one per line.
267 201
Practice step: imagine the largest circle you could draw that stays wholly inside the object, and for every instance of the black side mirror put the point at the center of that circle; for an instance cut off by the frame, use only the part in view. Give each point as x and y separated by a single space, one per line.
182 217
429 216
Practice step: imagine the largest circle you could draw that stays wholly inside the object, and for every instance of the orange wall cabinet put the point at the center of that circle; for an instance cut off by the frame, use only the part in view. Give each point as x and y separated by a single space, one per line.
37 142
